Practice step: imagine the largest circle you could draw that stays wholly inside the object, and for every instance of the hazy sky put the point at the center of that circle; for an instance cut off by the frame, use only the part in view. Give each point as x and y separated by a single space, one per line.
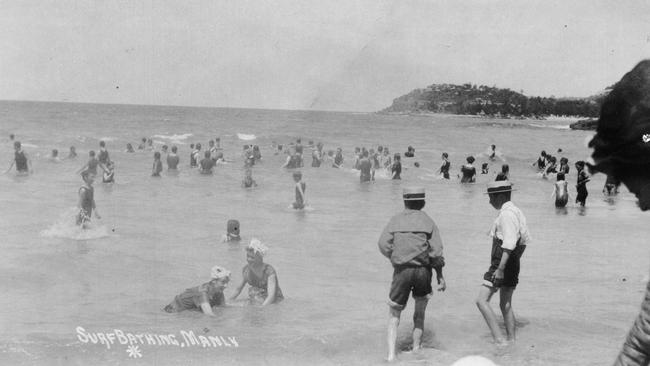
325 55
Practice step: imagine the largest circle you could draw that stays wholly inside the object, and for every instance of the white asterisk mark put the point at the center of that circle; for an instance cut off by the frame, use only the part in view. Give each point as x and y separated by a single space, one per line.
134 351
646 138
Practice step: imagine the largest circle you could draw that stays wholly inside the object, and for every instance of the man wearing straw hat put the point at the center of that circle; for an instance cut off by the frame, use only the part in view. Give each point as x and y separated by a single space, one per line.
509 238
412 243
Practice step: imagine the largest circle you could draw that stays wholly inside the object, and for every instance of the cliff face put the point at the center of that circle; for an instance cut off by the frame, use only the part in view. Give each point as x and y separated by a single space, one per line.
492 101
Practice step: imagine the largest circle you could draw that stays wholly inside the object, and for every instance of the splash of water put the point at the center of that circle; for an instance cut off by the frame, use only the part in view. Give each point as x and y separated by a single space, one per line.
67 228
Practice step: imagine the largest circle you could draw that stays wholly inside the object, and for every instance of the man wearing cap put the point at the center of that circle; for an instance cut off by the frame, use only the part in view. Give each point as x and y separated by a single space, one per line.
411 241
509 239
622 151
203 297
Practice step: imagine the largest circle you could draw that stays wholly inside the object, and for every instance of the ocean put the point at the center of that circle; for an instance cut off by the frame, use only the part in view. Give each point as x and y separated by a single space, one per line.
581 282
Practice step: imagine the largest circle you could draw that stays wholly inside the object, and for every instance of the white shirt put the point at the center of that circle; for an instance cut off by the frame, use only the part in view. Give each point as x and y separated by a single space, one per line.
510 226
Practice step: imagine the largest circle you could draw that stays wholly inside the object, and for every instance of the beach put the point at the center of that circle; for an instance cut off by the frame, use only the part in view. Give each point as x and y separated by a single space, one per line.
581 282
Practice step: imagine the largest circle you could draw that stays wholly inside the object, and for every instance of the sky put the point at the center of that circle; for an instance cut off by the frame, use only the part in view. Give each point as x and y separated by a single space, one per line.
311 55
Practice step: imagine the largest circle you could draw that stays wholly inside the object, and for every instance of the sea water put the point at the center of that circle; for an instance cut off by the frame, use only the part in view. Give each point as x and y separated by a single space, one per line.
581 282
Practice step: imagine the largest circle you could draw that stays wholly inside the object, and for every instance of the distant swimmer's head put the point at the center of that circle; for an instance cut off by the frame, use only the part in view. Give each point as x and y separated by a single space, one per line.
102 144
72 149
445 155
543 153
144 139
621 146
233 227
164 148
198 146
91 153
484 165
560 176
129 146
505 168
580 164
191 146
416 164
470 159
297 176
298 140
564 160
12 136
397 157
55 153
256 250
414 198
494 147
380 149
357 150
156 155
17 145
174 149
364 153
211 143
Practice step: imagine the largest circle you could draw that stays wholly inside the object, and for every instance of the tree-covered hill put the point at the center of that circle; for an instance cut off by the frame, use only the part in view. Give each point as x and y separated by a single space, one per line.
492 101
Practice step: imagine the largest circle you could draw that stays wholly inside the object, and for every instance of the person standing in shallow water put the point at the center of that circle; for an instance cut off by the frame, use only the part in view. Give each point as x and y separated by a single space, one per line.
21 160
621 149
301 186
509 239
156 168
468 171
86 203
173 159
261 277
581 184
411 241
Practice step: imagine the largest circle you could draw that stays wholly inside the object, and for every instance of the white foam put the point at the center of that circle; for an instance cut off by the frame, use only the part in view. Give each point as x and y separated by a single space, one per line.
246 137
25 144
174 137
107 138
66 227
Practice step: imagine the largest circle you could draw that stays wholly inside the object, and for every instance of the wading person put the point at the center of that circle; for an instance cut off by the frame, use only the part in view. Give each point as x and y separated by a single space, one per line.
509 239
411 241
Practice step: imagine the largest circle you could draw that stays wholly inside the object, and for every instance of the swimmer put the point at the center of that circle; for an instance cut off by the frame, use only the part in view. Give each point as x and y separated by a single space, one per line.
551 166
316 158
173 159
338 158
232 231
564 166
505 169
206 165
560 191
92 164
444 168
541 161
103 154
396 168
365 167
374 159
156 168
142 144
484 168
299 150
611 185
468 171
149 144
257 154
195 156
129 148
357 157
213 150
410 152
293 160
248 181
493 152
301 186
21 160
54 156
109 173
203 297
73 153
86 203
261 277
581 184
388 163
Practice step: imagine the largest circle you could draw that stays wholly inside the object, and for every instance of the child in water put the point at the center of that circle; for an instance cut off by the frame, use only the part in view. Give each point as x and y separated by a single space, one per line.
129 148
396 168
300 191
206 164
86 199
541 161
232 231
109 173
248 181
444 168
484 168
261 277
203 297
157 165
73 153
581 184
560 191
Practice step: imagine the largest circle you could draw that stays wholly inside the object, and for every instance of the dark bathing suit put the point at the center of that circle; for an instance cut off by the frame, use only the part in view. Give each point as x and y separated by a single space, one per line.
21 161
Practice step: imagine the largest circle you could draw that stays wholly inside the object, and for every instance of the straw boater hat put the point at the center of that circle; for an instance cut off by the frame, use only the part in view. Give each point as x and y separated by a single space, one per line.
501 186
413 194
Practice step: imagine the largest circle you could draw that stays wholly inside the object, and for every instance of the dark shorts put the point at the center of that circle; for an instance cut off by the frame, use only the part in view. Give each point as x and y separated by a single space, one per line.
511 272
406 280
581 197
